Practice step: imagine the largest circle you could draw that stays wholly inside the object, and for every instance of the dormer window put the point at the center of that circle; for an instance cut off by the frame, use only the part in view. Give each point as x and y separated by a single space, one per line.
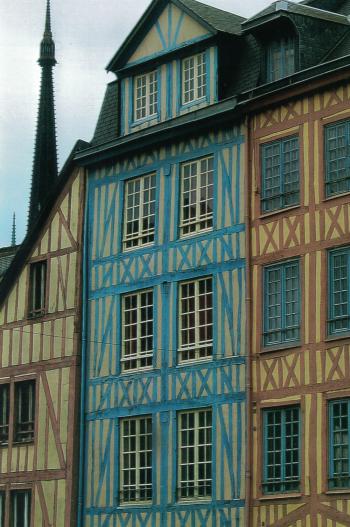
146 95
194 78
280 59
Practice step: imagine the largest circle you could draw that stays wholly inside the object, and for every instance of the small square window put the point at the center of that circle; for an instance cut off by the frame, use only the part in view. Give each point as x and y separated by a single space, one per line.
281 456
137 347
37 289
20 508
136 459
280 59
145 95
337 150
194 78
195 455
197 196
282 303
24 411
196 320
339 445
139 211
339 291
280 174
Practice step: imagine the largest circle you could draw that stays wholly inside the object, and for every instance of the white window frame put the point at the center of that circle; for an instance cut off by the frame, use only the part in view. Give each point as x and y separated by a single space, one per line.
194 78
141 236
137 359
199 349
192 449
192 173
27 506
145 95
137 454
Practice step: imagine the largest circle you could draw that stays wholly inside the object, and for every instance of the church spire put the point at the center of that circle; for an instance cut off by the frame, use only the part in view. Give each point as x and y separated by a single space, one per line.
45 169
13 235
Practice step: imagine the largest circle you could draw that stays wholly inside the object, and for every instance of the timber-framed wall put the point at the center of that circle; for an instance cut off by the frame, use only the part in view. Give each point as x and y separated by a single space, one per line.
315 369
46 349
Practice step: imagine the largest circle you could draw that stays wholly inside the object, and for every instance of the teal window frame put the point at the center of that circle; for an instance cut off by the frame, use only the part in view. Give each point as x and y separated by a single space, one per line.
339 444
337 157
280 174
339 291
282 304
281 450
280 58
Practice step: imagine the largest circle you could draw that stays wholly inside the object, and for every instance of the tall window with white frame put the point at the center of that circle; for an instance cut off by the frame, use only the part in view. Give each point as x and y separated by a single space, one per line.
4 413
136 459
197 188
2 508
24 411
137 345
139 211
195 454
196 320
145 95
194 78
20 508
37 289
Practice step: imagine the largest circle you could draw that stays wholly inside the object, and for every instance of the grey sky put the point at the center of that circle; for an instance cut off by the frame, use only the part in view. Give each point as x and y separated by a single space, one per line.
87 33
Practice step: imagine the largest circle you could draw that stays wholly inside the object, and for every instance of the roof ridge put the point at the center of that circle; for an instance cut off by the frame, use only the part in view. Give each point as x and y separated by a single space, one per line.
211 7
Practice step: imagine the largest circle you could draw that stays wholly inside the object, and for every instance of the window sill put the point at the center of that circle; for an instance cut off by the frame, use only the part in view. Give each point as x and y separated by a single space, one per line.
280 347
135 371
23 443
134 504
194 234
335 196
191 501
140 122
338 336
267 215
183 364
185 105
35 316
287 496
337 491
137 247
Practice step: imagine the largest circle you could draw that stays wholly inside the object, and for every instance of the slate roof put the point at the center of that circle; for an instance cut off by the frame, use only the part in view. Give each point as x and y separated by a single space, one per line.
6 256
298 9
107 127
218 19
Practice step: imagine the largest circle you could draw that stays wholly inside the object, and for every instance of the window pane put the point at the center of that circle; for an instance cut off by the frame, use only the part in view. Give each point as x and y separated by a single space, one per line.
196 319
339 476
37 289
337 158
281 450
195 454
139 211
136 459
194 78
25 411
145 95
137 343
20 508
339 304
4 413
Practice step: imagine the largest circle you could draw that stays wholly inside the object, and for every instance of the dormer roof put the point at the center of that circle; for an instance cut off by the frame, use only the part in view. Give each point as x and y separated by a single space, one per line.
285 7
208 21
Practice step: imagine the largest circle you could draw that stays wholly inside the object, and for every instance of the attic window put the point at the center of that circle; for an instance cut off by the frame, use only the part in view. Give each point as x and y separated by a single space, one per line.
145 95
37 289
280 59
194 78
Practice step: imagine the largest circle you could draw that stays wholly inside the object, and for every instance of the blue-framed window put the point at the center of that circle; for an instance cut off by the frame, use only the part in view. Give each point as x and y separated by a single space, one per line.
280 174
339 291
145 95
194 78
280 59
282 303
281 456
337 149
339 445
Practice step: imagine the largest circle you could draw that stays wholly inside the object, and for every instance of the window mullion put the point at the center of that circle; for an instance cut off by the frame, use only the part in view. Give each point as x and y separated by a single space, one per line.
283 446
196 448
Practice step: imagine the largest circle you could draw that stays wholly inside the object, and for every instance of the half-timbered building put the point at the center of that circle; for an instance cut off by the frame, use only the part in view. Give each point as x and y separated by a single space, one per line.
40 335
299 266
164 329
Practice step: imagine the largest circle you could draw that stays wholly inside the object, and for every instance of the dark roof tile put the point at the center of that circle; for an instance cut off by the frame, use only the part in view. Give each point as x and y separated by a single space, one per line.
107 127
217 18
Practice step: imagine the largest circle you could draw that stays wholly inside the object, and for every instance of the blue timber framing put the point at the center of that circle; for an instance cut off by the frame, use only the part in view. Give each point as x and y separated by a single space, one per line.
169 387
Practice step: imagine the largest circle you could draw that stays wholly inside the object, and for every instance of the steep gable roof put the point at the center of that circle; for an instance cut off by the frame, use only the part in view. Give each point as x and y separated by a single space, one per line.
212 19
